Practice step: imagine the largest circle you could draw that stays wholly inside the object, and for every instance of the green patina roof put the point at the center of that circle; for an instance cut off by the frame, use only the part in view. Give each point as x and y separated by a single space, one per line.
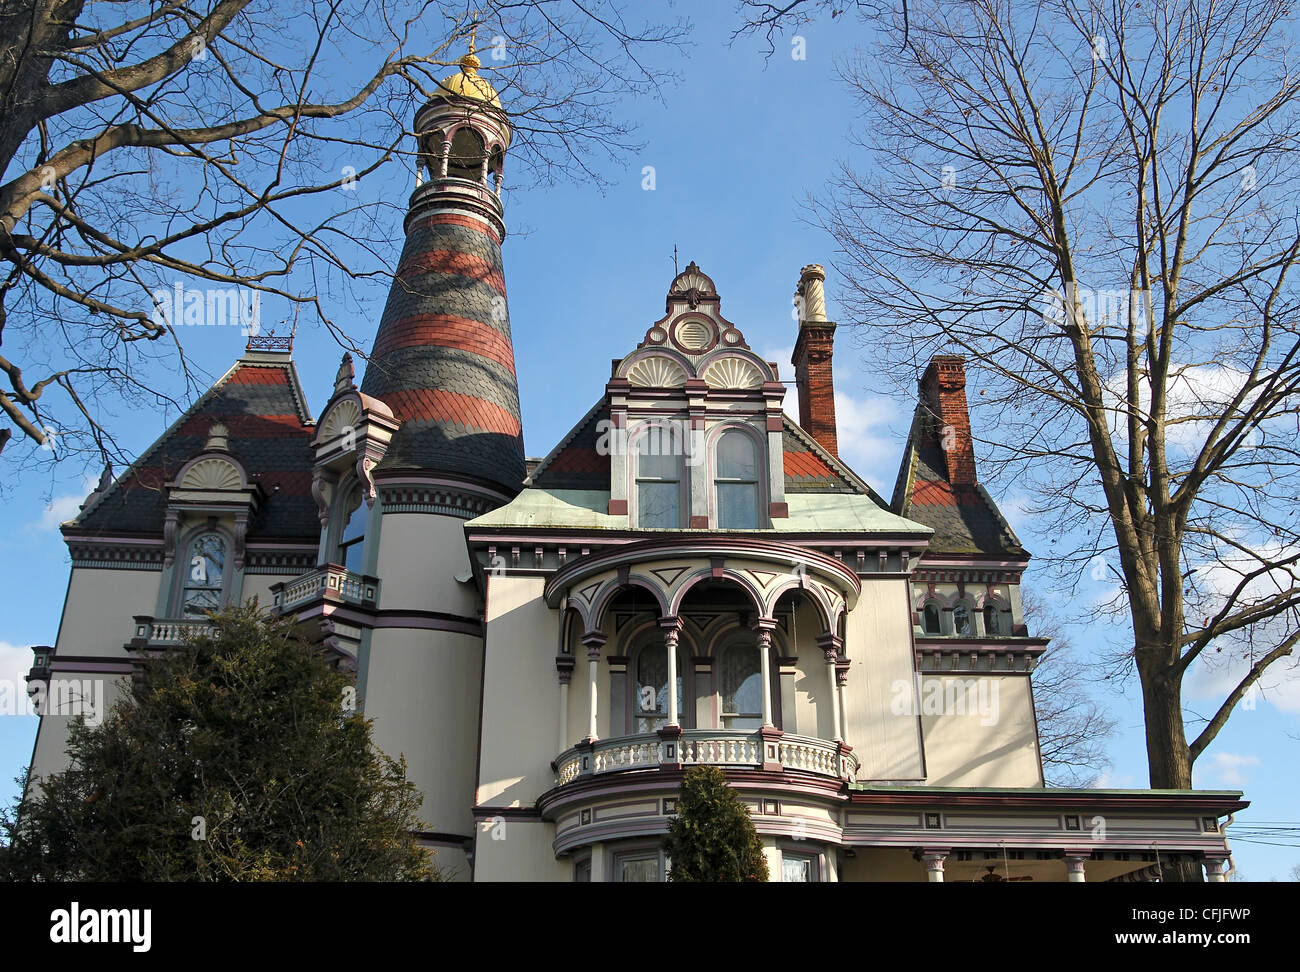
809 513
1047 791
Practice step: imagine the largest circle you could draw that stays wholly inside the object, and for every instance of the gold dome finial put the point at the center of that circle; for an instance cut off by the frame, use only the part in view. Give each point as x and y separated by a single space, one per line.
470 62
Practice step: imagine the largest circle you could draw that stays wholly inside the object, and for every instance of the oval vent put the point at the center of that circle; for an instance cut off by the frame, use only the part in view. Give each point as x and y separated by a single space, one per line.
694 335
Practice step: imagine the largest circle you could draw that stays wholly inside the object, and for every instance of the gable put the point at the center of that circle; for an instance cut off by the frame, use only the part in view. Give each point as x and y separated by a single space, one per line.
260 401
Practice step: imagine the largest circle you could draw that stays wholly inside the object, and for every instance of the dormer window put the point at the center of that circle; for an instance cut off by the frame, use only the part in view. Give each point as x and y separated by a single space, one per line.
352 540
736 481
659 490
205 572
930 620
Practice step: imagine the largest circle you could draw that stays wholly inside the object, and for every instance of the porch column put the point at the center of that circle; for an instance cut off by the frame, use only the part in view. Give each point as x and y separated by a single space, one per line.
763 631
594 640
1214 869
672 629
830 646
934 860
1074 867
842 681
564 672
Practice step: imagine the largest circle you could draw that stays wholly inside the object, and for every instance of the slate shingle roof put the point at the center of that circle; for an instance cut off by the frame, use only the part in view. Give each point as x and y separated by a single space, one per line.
965 519
443 360
260 401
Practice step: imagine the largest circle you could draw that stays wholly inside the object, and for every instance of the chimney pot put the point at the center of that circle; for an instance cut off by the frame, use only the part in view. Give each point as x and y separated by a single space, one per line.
813 351
943 391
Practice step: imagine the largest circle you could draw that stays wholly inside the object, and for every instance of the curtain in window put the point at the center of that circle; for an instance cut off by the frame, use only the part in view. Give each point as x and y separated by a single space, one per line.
737 482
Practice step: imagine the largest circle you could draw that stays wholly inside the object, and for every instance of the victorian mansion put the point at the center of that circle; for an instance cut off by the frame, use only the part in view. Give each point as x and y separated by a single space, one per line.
687 577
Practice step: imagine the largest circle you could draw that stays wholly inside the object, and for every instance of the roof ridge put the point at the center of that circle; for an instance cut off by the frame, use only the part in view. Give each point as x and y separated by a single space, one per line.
837 465
572 434
902 497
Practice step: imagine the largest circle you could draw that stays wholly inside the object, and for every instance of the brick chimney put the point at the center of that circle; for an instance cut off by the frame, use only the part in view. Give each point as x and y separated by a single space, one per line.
943 392
812 360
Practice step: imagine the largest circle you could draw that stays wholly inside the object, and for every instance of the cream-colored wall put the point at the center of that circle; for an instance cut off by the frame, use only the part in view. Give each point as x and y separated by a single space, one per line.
97 617
996 747
422 690
49 755
878 642
521 701
518 850
420 557
259 586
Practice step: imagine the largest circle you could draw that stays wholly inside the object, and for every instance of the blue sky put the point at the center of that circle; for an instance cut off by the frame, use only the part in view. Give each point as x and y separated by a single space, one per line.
735 150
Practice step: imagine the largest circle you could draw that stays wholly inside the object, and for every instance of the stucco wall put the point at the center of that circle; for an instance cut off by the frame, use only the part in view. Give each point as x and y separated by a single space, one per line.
419 558
991 743
521 701
518 850
878 641
422 690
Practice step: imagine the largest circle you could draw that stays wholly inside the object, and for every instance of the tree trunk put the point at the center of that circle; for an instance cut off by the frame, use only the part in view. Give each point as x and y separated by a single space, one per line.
1169 760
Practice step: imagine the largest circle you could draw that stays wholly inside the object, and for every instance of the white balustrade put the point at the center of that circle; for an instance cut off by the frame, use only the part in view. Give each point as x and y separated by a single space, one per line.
704 747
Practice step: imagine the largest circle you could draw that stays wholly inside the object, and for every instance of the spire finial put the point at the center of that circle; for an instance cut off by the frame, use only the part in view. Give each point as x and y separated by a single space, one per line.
470 62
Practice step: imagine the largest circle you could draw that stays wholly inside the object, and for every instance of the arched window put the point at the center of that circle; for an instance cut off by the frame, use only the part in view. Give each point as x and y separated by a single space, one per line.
992 619
465 160
737 482
961 619
740 686
658 459
650 688
930 619
205 575
352 538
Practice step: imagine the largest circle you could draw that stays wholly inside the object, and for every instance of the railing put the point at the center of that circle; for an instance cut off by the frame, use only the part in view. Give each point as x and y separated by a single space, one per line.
349 587
704 747
169 631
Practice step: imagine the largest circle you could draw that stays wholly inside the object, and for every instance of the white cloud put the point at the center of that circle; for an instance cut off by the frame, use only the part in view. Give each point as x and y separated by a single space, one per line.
865 427
63 508
1107 782
1226 767
15 663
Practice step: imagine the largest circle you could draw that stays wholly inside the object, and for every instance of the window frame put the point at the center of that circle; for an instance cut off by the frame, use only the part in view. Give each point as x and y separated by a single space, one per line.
683 484
938 617
638 852
813 857
761 520
642 642
728 642
176 608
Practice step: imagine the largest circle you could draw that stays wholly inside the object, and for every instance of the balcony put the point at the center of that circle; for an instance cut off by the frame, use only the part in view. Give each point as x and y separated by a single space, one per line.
328 583
707 747
156 633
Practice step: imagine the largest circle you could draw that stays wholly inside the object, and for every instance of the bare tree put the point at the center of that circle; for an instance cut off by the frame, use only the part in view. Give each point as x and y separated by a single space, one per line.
1073 727
1095 202
230 142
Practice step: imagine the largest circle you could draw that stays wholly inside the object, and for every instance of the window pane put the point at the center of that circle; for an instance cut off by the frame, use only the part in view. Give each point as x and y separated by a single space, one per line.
582 871
961 619
796 869
931 615
206 573
356 525
742 688
658 505
660 450
650 698
737 506
991 617
737 458
636 868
